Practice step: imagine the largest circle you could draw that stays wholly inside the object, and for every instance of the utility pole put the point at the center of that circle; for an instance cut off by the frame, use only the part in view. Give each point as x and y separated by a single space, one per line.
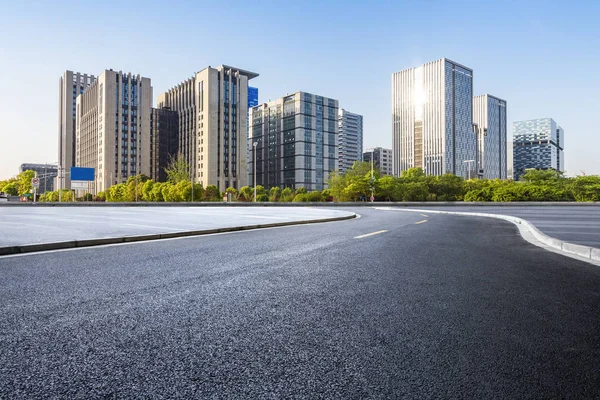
254 146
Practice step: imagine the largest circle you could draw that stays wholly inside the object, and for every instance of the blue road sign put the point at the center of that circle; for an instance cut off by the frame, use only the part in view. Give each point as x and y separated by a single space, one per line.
82 174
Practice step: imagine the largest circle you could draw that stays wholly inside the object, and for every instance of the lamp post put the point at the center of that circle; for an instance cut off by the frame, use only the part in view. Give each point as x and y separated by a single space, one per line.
372 176
254 149
468 162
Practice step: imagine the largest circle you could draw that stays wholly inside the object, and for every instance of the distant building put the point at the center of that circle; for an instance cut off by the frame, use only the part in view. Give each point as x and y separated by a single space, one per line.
350 139
113 127
45 172
382 159
213 110
432 119
538 144
296 138
164 141
489 119
71 84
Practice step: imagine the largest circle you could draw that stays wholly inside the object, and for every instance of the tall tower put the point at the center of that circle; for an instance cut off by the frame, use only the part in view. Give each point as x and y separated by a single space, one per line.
432 116
70 85
350 139
213 119
489 118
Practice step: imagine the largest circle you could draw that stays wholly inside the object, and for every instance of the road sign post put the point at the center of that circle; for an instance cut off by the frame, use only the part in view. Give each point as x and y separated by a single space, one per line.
35 182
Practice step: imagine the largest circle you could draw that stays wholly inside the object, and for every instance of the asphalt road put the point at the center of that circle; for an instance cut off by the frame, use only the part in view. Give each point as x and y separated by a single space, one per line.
425 309
29 225
579 225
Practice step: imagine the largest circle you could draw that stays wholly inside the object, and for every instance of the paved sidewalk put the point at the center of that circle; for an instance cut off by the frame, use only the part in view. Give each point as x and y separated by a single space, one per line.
28 225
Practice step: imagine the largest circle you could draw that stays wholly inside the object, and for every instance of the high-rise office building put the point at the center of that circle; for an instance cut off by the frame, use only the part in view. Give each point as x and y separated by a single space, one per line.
538 144
382 159
296 138
489 119
113 127
432 115
350 139
213 108
164 141
71 84
252 102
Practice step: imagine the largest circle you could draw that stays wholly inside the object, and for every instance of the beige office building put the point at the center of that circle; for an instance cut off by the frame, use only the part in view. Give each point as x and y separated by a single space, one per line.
113 127
70 85
213 111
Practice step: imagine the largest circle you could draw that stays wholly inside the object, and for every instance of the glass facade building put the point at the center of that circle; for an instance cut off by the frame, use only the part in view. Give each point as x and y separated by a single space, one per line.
350 139
164 141
489 118
45 172
538 144
296 140
432 119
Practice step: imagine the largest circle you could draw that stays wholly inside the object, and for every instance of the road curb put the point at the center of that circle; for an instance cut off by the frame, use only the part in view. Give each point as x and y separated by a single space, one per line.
33 248
587 252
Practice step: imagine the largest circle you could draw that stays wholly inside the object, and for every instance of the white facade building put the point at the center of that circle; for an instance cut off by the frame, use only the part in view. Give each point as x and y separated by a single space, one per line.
350 139
213 112
113 127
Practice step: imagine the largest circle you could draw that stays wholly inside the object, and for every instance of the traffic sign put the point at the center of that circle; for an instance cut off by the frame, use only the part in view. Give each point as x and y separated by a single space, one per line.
35 182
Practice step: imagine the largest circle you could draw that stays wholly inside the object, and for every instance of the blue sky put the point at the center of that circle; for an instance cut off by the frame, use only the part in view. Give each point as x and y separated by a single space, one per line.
541 56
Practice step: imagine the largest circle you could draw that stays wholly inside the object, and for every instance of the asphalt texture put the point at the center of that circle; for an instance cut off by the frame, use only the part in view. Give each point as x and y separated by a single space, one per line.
425 309
28 225
579 225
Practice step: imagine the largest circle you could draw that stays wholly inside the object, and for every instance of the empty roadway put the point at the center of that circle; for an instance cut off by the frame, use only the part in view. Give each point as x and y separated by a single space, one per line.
391 305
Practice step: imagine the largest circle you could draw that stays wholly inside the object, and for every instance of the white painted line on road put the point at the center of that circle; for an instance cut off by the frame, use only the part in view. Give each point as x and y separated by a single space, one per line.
369 234
426 216
420 222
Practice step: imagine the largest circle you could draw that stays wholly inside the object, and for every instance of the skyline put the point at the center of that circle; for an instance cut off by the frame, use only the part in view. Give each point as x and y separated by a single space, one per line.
540 62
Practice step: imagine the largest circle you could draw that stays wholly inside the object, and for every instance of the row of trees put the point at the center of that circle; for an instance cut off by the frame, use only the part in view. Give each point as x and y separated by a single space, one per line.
358 184
414 185
18 185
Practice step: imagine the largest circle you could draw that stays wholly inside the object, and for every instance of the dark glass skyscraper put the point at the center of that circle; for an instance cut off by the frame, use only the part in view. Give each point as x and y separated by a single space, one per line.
164 141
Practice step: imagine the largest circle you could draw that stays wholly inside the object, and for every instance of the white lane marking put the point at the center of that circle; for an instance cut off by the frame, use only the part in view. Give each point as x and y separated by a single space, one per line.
420 222
369 234
426 216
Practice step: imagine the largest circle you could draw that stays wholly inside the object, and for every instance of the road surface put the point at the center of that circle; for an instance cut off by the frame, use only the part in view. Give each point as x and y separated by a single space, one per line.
391 305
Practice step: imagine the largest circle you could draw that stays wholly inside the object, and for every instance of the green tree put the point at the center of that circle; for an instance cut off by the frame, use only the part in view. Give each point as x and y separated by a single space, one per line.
274 194
11 189
287 195
178 170
246 193
314 196
326 195
234 193
301 190
413 174
541 175
387 189
24 181
300 198
211 193
156 192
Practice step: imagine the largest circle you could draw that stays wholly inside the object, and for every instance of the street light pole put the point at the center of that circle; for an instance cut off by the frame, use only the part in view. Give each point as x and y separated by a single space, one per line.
254 149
